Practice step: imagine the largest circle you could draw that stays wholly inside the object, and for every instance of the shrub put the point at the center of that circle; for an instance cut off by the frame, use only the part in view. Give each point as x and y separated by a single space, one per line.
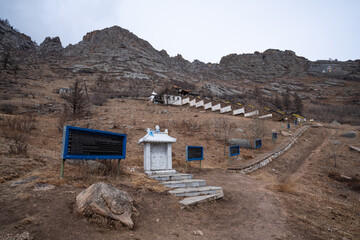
8 108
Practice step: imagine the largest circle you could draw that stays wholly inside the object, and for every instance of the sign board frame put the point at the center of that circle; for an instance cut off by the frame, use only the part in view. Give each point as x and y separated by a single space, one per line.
237 148
196 158
189 159
66 145
257 143
274 136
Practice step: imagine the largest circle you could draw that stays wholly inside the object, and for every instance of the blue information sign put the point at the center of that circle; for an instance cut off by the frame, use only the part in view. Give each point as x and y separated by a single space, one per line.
234 150
83 143
258 143
274 135
194 153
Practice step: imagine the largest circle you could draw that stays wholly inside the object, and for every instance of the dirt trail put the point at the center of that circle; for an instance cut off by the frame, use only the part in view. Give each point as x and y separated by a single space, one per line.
293 163
248 211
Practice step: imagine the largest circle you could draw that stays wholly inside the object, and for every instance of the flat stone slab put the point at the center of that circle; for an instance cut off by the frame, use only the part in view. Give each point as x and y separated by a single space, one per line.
171 177
354 148
160 172
189 201
184 183
22 181
189 192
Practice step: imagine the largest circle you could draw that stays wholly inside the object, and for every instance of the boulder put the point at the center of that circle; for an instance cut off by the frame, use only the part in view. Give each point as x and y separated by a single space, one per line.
243 143
350 134
335 123
96 166
108 202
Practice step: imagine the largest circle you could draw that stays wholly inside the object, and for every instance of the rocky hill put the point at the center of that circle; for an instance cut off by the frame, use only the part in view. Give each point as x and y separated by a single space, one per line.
131 64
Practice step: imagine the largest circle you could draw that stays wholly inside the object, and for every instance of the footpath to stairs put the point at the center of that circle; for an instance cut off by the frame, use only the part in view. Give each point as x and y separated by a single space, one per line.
264 159
192 191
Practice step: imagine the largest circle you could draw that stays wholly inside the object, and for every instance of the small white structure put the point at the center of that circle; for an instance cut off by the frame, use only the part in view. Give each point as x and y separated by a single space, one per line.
200 104
208 105
192 102
152 97
239 111
250 114
185 101
157 152
225 109
65 90
266 116
172 100
216 107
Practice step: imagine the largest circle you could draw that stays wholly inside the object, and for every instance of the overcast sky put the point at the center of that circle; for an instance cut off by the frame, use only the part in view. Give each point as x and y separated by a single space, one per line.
201 29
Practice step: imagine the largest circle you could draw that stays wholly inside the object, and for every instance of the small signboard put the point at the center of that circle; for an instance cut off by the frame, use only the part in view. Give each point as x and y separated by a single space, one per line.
274 135
194 153
84 143
258 143
288 126
234 150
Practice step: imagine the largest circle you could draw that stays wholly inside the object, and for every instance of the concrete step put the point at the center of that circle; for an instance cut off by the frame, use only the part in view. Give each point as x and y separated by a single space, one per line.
184 183
189 192
171 177
189 201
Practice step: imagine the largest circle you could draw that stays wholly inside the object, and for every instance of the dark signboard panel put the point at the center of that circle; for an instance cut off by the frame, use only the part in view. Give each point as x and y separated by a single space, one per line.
274 135
234 150
258 143
83 143
194 153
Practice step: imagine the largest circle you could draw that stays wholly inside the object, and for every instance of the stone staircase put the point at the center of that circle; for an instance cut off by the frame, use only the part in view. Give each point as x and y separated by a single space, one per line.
192 191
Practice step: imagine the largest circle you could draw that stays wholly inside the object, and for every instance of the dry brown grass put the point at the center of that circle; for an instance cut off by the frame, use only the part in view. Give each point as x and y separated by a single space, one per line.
287 187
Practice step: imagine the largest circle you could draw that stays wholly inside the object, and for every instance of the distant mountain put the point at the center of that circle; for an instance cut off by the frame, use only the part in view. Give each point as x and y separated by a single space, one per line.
129 62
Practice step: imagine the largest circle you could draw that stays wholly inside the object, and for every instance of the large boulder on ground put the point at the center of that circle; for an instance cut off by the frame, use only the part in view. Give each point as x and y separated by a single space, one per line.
350 134
108 202
243 143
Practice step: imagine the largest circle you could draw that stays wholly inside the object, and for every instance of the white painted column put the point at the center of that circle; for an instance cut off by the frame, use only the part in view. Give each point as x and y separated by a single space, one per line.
169 157
147 157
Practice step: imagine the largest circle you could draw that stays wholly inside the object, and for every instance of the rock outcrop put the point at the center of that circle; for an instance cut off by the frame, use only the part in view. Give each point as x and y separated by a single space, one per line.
108 202
51 45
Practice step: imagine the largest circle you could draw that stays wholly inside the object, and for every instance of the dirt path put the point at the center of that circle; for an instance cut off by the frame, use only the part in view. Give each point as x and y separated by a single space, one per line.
253 208
317 208
294 162
248 211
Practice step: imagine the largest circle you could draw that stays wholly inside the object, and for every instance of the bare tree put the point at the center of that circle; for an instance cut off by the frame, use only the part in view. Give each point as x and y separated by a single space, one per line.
335 146
286 100
298 104
76 100
277 102
224 128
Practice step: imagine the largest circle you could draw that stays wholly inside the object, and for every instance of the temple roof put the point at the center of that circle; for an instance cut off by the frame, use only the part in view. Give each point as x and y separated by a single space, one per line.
155 136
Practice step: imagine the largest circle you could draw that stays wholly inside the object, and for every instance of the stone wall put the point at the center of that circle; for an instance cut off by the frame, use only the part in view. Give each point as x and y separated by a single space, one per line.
263 160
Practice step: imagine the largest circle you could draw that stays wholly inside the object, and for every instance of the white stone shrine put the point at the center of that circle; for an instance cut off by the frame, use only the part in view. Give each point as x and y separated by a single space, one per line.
157 152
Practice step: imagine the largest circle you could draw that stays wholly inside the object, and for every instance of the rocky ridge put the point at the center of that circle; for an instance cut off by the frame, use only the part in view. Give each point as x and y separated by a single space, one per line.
127 61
